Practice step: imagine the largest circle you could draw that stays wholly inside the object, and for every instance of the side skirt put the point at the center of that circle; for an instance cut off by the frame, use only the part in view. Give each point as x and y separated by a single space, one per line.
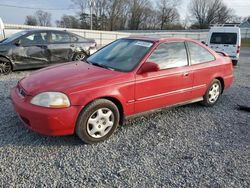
159 109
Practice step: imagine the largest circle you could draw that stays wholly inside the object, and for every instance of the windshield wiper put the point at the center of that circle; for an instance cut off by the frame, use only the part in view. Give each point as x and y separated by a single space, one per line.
87 61
103 66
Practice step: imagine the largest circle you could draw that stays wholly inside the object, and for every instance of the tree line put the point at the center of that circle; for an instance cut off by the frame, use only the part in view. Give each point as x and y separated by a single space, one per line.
140 15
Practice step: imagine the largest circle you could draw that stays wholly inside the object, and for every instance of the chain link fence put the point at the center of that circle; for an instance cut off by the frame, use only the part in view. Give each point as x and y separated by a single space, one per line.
104 37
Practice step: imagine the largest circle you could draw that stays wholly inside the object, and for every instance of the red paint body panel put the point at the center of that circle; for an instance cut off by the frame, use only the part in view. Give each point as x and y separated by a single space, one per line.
51 122
163 88
83 83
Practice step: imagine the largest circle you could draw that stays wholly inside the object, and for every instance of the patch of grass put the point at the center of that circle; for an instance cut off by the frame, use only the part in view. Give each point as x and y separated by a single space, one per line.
245 43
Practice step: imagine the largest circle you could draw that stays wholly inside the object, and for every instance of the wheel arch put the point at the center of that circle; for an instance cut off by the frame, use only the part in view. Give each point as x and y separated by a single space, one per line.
5 57
119 106
2 57
222 83
116 101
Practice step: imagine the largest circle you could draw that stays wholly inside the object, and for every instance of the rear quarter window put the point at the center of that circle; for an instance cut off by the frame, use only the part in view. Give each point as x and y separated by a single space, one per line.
199 54
224 38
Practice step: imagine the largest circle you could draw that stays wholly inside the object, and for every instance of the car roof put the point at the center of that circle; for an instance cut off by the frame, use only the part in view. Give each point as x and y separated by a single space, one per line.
224 29
158 38
40 30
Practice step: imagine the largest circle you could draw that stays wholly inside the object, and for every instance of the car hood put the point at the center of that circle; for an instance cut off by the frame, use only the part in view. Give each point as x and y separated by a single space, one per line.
66 77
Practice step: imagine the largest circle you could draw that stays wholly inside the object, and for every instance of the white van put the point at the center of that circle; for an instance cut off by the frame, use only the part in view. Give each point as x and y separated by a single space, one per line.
225 39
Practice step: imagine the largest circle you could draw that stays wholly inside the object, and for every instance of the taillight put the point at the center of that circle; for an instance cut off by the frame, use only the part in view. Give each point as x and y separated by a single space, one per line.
93 45
238 49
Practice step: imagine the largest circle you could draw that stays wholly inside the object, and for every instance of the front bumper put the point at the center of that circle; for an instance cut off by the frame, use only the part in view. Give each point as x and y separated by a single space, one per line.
92 50
46 121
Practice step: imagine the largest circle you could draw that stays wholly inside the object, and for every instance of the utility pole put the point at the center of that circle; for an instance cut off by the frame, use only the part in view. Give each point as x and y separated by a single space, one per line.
91 4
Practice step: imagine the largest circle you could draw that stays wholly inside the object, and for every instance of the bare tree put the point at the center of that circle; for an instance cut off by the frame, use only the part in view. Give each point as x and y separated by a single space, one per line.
209 12
43 18
68 21
137 10
168 14
128 14
117 13
100 17
82 5
30 20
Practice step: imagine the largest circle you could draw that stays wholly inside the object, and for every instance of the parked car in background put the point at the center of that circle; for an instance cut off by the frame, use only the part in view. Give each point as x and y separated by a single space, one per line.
227 40
39 48
127 77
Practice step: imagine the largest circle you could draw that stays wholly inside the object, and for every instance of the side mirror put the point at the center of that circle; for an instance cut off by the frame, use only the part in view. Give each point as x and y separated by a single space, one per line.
18 43
148 67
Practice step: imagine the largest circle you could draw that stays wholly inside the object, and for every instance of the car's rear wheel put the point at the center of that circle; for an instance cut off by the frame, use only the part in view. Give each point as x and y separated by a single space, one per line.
235 62
79 56
98 121
5 66
213 93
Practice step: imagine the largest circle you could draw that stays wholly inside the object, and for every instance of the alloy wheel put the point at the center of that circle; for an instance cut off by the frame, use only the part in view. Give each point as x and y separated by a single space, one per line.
5 67
80 57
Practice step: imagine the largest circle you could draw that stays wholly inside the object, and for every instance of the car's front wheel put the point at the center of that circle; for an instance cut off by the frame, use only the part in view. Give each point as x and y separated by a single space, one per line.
79 56
5 66
98 121
213 93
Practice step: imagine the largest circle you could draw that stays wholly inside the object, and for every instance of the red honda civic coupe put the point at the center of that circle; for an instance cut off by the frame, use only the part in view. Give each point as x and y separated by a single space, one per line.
127 77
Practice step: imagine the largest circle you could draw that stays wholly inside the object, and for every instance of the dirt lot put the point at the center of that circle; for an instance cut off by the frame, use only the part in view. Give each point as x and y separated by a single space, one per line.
189 146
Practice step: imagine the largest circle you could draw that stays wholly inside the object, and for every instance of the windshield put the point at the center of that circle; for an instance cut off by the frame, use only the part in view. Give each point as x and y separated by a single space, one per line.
224 38
14 37
122 55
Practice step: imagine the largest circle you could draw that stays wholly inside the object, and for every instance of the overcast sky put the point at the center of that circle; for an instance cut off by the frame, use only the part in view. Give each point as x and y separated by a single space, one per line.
17 15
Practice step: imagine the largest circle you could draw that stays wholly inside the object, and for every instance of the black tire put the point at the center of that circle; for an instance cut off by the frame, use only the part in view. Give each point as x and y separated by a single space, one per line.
83 125
79 56
235 62
207 99
5 66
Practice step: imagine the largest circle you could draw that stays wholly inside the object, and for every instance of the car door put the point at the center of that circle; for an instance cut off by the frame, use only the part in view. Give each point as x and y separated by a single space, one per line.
60 47
171 85
203 68
31 50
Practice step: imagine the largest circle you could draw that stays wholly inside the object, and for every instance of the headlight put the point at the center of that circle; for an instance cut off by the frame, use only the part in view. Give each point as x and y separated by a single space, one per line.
93 45
51 100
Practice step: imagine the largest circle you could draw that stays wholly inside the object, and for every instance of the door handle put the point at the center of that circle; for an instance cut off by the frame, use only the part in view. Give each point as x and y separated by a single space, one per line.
185 74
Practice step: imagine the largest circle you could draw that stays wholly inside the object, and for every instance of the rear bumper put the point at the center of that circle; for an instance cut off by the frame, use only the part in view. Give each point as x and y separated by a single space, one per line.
228 81
236 58
51 122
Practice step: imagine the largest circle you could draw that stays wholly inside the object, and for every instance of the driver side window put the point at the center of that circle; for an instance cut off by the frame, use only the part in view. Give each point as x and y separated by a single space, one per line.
34 38
170 55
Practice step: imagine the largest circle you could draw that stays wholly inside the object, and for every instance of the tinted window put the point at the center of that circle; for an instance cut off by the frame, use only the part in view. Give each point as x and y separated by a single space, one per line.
198 54
60 37
170 55
123 54
223 38
35 38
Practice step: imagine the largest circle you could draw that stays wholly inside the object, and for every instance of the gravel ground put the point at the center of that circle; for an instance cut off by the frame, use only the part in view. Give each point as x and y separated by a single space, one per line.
189 146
